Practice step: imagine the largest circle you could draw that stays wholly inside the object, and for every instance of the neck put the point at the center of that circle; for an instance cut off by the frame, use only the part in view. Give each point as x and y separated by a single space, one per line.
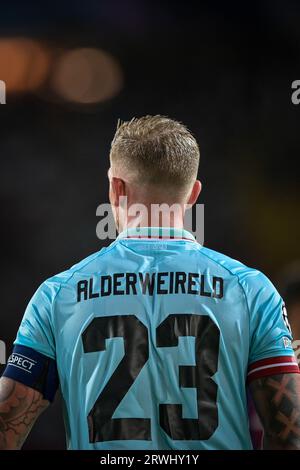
152 216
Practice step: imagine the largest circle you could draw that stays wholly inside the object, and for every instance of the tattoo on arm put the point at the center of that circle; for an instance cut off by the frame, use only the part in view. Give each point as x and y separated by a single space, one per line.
20 406
277 401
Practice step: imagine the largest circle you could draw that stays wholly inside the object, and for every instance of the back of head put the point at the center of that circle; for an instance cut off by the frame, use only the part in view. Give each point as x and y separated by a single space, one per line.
156 151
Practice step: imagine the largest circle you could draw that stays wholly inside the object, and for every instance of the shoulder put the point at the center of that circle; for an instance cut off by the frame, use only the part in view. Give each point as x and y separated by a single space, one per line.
250 279
86 266
233 266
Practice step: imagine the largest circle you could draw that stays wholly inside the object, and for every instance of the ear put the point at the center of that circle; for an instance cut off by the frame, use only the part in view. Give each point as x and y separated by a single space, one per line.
196 190
117 189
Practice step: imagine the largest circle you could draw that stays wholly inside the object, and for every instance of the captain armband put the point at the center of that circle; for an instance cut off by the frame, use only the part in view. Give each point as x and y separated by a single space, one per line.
33 369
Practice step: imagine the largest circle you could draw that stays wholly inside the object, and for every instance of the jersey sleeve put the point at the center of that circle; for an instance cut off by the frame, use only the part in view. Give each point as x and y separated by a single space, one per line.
36 329
33 360
271 349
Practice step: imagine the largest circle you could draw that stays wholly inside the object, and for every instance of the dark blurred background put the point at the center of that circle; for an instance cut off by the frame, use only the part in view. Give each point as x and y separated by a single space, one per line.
73 68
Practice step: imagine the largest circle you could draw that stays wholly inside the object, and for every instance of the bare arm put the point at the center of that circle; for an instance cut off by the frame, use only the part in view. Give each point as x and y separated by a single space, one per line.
20 406
277 401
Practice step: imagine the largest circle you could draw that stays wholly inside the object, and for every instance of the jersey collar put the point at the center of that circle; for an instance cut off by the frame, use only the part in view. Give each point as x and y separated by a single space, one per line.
167 233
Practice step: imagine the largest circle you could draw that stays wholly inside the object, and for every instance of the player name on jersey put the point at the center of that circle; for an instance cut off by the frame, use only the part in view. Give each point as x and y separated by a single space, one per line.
160 283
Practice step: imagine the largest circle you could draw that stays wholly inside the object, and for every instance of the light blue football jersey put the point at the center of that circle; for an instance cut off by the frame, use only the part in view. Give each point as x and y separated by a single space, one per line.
154 337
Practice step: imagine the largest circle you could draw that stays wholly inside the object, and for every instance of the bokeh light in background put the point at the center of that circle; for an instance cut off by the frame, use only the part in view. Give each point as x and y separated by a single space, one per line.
87 76
82 75
24 64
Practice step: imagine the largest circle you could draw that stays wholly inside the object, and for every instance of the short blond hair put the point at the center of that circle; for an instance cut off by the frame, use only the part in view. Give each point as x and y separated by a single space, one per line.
157 150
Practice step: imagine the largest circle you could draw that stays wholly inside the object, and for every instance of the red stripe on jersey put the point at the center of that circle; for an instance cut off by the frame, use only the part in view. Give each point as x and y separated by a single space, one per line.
279 369
271 360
